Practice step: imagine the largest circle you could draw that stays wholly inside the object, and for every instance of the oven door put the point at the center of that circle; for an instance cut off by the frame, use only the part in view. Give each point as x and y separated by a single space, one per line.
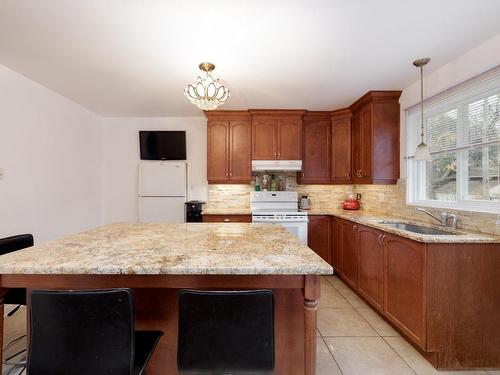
298 228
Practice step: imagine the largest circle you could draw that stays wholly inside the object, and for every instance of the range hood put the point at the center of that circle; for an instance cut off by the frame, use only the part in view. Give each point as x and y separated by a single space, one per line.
276 165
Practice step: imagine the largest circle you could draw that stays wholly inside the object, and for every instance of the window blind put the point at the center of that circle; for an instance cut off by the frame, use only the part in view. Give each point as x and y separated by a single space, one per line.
464 117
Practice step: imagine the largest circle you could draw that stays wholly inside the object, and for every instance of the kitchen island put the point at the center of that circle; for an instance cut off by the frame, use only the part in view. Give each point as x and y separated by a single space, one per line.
157 260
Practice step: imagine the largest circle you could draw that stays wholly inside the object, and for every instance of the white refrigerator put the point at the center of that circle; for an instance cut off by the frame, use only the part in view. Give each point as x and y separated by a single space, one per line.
162 191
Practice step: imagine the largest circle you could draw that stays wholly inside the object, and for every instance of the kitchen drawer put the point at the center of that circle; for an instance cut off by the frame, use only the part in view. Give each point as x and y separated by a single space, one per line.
227 218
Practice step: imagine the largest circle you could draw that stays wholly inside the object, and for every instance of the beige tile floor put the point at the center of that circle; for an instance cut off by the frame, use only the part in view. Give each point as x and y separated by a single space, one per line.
352 339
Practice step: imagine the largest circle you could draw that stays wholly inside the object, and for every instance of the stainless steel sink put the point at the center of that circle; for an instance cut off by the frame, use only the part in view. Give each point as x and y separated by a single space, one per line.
419 229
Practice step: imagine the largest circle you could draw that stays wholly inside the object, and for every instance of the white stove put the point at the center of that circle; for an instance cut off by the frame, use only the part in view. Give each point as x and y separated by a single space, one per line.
279 207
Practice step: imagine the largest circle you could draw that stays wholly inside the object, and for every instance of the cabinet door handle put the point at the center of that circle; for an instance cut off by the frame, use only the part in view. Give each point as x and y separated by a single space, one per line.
354 228
279 153
226 174
348 175
379 239
359 173
230 174
227 220
382 240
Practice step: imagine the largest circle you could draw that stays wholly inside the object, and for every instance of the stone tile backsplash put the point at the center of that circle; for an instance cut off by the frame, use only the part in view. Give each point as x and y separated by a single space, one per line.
379 199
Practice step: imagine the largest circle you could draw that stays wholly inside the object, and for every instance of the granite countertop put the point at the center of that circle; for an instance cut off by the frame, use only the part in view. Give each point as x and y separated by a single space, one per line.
227 211
157 249
375 220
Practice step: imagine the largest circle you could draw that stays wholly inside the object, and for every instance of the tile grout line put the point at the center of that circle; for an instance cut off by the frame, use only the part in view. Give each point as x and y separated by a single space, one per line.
394 350
331 353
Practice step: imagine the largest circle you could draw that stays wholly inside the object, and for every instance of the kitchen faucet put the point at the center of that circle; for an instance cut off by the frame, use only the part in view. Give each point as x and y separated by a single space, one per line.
445 218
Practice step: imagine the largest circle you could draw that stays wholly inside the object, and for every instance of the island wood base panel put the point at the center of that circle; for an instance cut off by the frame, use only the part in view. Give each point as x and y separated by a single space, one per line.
156 307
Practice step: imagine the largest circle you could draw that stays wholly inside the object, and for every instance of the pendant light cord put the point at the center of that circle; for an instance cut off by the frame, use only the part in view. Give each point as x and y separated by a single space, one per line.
422 103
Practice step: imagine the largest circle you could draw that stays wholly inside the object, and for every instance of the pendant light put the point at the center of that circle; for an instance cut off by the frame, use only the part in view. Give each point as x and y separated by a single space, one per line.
207 92
422 152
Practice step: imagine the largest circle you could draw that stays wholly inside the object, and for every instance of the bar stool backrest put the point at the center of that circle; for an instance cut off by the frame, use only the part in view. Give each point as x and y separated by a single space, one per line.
81 332
226 332
14 243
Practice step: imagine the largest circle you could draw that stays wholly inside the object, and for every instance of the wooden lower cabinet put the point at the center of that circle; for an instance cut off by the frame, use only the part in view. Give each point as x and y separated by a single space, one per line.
349 268
337 245
371 266
443 297
319 236
227 218
404 286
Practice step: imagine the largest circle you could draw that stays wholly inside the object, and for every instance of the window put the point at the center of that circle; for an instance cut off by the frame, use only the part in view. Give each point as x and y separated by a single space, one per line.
462 129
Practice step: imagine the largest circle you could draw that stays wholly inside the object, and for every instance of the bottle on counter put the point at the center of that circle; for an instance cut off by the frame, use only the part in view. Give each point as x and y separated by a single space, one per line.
274 185
281 183
265 182
257 183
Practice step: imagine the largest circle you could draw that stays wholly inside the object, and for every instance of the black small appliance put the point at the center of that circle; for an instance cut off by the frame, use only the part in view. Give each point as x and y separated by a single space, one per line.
193 211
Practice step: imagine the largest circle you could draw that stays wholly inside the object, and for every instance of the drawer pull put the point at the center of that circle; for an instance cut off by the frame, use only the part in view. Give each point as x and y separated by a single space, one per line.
227 220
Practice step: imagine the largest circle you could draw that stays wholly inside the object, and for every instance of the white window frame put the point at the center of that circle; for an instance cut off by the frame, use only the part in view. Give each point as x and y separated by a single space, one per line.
476 88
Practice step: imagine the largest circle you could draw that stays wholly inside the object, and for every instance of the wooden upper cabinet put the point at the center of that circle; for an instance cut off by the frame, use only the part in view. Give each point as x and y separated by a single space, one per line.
316 148
264 134
277 134
217 151
371 266
375 138
290 139
240 152
404 285
362 144
341 146
229 142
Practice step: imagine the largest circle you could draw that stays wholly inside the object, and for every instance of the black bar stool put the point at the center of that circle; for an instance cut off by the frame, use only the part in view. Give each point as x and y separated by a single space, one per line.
226 332
87 332
15 296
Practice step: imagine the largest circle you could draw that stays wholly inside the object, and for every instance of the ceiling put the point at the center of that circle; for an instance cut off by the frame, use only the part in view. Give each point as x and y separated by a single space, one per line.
134 57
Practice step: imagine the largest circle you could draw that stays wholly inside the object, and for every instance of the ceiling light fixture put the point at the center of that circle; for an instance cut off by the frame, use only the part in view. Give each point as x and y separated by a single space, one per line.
207 92
422 152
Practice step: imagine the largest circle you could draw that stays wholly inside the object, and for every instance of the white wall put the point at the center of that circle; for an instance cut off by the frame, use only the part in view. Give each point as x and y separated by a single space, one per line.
50 155
472 63
121 159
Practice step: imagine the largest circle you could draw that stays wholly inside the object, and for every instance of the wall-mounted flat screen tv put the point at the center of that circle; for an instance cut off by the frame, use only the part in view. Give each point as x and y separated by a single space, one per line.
162 145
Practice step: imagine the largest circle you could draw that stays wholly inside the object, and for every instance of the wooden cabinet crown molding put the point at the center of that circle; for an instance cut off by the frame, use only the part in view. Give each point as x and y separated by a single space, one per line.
317 114
338 114
375 96
278 113
227 115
